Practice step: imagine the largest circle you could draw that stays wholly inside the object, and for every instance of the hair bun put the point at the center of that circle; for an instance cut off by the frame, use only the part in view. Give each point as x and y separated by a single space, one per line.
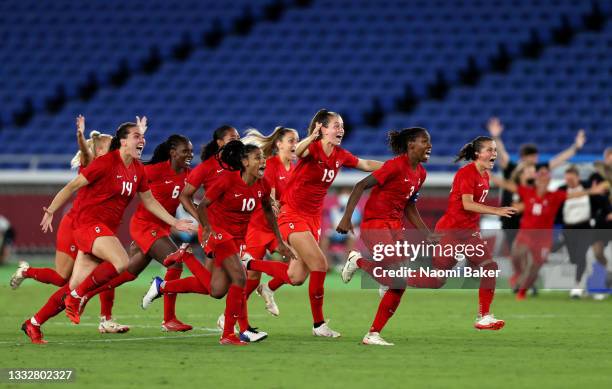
94 134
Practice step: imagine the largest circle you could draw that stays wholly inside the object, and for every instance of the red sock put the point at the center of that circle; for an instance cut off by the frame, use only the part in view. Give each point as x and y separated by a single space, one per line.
197 269
316 291
233 308
243 319
103 273
272 268
45 275
486 292
184 285
275 283
386 308
53 306
121 279
172 273
107 298
251 285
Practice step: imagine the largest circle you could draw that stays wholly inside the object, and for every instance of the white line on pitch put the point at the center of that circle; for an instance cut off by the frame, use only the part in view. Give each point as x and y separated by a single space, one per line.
122 340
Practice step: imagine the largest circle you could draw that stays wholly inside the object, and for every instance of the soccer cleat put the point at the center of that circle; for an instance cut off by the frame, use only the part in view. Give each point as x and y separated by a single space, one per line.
325 331
111 327
264 291
374 338
152 294
521 294
233 340
175 325
489 322
73 308
251 335
33 332
382 289
177 256
576 293
19 275
245 259
350 266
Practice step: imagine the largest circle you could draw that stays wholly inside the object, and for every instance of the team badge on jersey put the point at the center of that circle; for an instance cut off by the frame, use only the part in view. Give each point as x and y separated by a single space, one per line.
73 248
97 229
153 233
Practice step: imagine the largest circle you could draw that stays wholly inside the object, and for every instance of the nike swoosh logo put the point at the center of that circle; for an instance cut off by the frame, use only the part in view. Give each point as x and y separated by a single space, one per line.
406 180
119 176
479 185
281 178
237 195
168 182
219 171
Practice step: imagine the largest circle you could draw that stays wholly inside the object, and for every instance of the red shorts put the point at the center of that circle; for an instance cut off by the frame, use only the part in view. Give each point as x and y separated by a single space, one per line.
378 231
539 244
222 245
258 241
64 241
464 244
290 221
86 236
145 233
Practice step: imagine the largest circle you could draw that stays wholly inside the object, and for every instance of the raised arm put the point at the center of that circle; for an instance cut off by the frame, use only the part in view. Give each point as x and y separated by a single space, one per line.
566 154
60 199
302 148
86 155
496 128
345 224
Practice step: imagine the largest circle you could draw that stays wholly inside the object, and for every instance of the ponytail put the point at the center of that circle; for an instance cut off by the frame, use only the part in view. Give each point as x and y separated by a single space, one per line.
322 116
212 147
267 144
162 151
469 150
231 155
398 140
122 132
95 137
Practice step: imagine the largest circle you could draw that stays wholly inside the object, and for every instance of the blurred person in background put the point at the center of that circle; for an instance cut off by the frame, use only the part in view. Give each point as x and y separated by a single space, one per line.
528 153
603 217
336 245
7 237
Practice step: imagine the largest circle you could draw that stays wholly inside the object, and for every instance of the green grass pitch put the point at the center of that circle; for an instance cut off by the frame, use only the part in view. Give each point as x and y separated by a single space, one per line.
548 341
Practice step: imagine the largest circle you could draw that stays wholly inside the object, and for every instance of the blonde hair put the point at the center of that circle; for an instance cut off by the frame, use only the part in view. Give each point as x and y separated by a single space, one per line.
267 144
519 170
95 138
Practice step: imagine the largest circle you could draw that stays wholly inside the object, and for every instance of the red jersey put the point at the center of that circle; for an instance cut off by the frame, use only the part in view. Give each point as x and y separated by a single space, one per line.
312 177
467 181
277 177
112 185
205 173
539 211
233 203
397 184
166 186
77 199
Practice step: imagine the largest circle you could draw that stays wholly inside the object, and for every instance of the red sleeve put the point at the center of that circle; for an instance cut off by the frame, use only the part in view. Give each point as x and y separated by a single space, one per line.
423 176
196 177
465 182
152 172
143 180
218 187
313 149
386 171
270 174
96 169
348 159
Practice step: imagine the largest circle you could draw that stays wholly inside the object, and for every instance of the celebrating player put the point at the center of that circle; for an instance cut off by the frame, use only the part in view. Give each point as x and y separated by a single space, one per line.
396 189
108 185
321 157
166 171
279 149
224 215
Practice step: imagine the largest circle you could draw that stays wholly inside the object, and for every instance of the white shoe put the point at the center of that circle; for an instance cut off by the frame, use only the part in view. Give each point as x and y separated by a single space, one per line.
264 291
152 294
18 277
489 322
350 266
600 296
252 335
221 323
325 331
111 327
245 259
576 293
374 338
382 289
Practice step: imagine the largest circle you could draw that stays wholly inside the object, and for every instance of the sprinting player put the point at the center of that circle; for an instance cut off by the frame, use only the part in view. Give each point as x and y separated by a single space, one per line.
320 159
66 252
224 215
534 239
166 171
108 184
393 198
279 150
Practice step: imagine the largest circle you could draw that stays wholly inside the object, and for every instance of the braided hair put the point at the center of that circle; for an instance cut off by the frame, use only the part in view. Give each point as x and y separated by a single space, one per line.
398 140
231 155
162 151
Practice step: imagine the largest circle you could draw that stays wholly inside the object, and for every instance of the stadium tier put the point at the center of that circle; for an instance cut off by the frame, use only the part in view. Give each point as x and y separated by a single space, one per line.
343 55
